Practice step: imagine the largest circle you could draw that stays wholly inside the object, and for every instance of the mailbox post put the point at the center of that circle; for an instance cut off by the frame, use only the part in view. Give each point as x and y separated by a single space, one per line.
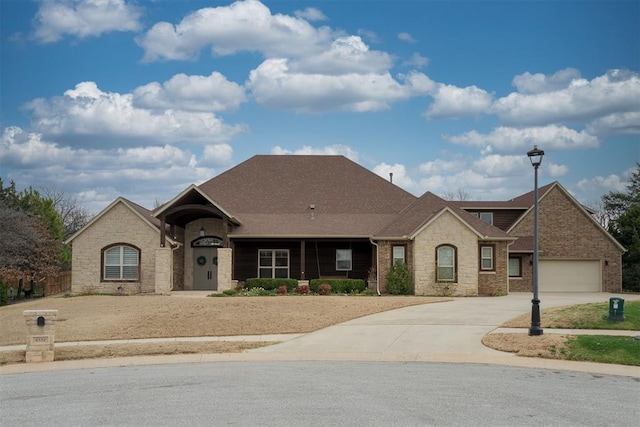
40 334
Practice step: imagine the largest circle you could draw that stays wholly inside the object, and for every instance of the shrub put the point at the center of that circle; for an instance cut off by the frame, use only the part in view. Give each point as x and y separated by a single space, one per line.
282 290
398 280
324 289
3 294
230 292
271 284
339 286
302 289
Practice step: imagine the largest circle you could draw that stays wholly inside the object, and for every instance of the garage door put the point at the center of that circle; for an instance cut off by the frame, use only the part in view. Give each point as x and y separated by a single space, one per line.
569 276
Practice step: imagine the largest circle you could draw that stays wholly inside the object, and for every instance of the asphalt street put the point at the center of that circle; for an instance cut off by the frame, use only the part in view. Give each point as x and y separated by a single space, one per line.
335 393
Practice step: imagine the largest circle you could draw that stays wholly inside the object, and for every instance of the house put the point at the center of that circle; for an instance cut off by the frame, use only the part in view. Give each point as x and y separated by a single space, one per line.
307 217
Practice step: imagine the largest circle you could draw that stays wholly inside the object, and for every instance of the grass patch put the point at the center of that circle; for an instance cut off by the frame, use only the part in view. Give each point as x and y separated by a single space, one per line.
583 316
605 349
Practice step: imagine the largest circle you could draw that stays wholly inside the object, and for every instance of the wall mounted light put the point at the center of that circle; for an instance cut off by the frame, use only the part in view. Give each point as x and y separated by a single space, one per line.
202 231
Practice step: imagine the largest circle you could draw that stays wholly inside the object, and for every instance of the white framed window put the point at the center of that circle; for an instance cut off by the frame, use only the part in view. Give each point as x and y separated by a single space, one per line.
486 258
487 217
515 267
343 259
273 263
398 254
121 262
446 263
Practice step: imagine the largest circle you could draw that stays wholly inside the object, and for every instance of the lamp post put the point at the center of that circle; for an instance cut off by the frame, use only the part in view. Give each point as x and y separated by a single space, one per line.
535 156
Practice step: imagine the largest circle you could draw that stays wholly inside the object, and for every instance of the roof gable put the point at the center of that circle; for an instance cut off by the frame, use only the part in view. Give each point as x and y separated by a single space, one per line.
582 209
422 212
143 213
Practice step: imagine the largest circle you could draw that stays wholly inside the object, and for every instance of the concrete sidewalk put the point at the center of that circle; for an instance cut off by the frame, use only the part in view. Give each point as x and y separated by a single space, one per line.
440 332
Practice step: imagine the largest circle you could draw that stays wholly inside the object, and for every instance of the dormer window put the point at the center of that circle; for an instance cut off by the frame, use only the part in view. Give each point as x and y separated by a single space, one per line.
487 217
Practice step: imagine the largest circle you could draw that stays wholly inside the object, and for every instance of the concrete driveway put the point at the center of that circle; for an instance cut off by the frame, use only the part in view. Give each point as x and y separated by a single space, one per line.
449 331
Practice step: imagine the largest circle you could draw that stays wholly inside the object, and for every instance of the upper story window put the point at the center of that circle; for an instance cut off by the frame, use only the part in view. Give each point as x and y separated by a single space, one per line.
446 263
273 263
398 254
486 258
343 259
121 262
485 216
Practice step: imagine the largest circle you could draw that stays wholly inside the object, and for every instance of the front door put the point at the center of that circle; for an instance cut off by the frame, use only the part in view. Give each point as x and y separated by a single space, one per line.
205 268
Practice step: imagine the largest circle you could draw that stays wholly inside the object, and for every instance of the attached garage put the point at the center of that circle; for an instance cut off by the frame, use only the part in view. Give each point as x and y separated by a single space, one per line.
569 276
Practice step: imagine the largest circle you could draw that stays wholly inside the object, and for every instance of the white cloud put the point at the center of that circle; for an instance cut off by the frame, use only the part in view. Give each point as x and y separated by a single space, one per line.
275 85
242 26
616 124
345 55
507 139
330 150
601 184
218 154
441 166
499 166
615 92
417 61
452 101
310 14
401 177
86 115
85 18
97 176
406 37
192 93
555 170
528 83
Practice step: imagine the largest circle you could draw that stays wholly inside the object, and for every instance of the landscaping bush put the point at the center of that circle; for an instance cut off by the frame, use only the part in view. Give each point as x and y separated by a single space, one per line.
282 290
271 284
302 289
324 289
398 279
3 294
258 291
230 292
340 286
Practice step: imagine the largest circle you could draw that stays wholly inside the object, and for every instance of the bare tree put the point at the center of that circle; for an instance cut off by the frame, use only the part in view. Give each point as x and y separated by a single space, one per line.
459 195
73 216
600 214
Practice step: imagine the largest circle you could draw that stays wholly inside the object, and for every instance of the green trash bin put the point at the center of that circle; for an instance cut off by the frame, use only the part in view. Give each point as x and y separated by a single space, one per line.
616 309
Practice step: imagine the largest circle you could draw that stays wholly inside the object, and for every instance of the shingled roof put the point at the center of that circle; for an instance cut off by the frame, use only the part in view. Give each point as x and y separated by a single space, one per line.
273 196
428 206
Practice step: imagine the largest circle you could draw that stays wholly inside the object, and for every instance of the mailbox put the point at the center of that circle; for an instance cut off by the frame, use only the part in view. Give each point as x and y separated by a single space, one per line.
616 309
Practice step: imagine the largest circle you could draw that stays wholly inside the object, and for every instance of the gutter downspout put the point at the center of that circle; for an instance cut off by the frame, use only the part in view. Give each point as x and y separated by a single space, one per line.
377 266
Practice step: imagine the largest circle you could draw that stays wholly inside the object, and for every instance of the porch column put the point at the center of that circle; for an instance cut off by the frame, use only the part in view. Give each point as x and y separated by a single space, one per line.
162 231
302 260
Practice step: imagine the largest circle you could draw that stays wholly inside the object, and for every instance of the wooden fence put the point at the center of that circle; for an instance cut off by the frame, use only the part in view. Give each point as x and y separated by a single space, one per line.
58 284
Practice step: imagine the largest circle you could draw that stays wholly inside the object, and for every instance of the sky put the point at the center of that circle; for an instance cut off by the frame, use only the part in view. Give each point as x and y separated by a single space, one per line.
140 99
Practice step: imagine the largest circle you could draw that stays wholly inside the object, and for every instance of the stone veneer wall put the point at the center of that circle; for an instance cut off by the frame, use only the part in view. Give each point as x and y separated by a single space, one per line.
224 269
446 229
163 270
565 232
213 227
118 225
178 260
492 282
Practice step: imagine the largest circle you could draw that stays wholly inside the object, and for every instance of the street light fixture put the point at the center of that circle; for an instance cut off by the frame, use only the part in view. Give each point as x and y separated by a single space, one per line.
535 156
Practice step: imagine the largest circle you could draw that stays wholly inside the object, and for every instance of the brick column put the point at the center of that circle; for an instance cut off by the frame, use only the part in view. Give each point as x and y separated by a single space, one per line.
41 325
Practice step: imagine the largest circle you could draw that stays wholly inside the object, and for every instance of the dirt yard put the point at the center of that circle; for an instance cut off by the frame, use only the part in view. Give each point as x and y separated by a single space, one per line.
92 318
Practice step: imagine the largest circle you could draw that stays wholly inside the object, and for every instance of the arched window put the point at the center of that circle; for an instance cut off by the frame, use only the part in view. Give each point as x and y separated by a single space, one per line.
446 263
121 262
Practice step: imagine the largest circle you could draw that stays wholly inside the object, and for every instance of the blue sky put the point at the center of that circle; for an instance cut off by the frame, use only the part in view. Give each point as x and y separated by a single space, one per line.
108 98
